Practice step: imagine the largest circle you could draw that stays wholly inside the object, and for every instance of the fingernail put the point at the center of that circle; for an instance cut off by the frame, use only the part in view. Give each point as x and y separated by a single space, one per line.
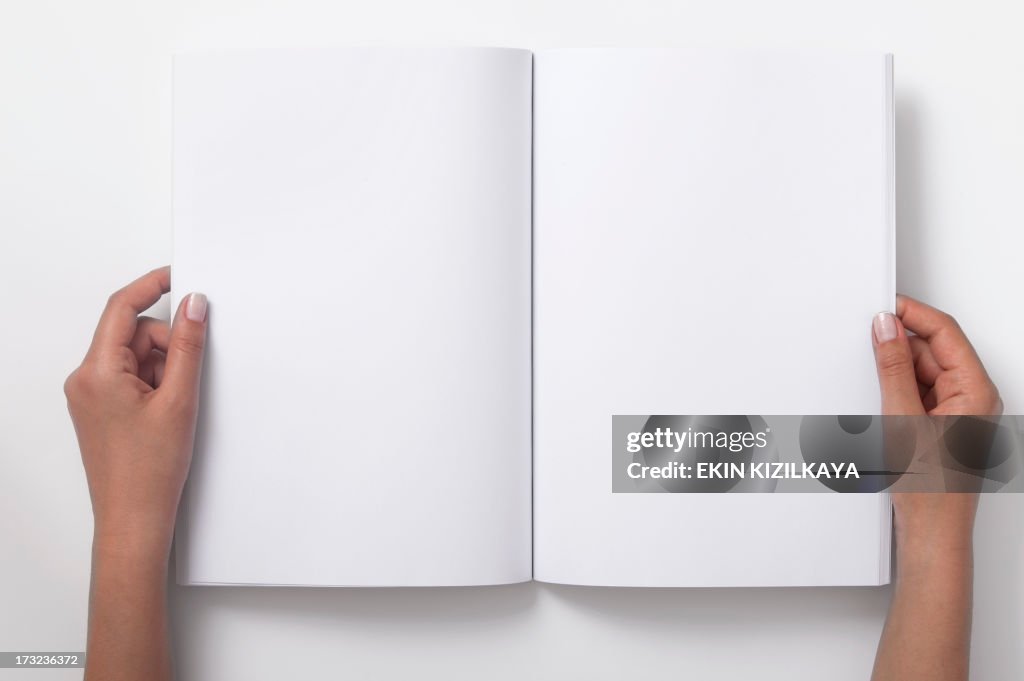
195 308
884 325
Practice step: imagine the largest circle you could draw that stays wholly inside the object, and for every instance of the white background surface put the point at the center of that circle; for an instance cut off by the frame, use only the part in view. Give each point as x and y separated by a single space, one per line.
85 207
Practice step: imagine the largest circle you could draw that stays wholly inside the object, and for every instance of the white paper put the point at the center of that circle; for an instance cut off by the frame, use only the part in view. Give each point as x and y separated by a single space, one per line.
360 220
712 235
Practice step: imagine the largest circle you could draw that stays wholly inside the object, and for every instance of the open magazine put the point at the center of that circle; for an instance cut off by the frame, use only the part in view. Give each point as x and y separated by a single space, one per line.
436 274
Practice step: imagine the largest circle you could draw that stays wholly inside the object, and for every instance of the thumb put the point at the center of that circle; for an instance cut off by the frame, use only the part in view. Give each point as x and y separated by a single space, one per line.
895 364
185 350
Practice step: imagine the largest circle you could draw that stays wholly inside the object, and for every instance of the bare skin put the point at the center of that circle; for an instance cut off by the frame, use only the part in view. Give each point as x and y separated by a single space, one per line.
927 634
133 402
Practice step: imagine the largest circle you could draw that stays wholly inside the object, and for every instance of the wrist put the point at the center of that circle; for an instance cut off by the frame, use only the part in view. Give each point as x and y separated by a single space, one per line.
132 539
935 557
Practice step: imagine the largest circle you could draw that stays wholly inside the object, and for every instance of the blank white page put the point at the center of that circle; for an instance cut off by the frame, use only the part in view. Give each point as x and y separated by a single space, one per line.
712 235
360 220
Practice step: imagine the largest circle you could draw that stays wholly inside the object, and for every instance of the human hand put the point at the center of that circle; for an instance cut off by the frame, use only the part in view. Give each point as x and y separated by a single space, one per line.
938 373
133 403
934 373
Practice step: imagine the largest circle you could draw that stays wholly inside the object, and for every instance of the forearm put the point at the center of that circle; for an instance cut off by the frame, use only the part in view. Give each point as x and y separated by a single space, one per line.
128 631
927 633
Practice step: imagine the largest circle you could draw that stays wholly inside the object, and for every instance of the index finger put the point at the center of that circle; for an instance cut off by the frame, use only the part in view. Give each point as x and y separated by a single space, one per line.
946 340
120 317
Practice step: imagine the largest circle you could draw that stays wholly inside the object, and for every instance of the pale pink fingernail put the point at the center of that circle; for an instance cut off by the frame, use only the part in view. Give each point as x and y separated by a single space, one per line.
884 325
195 308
